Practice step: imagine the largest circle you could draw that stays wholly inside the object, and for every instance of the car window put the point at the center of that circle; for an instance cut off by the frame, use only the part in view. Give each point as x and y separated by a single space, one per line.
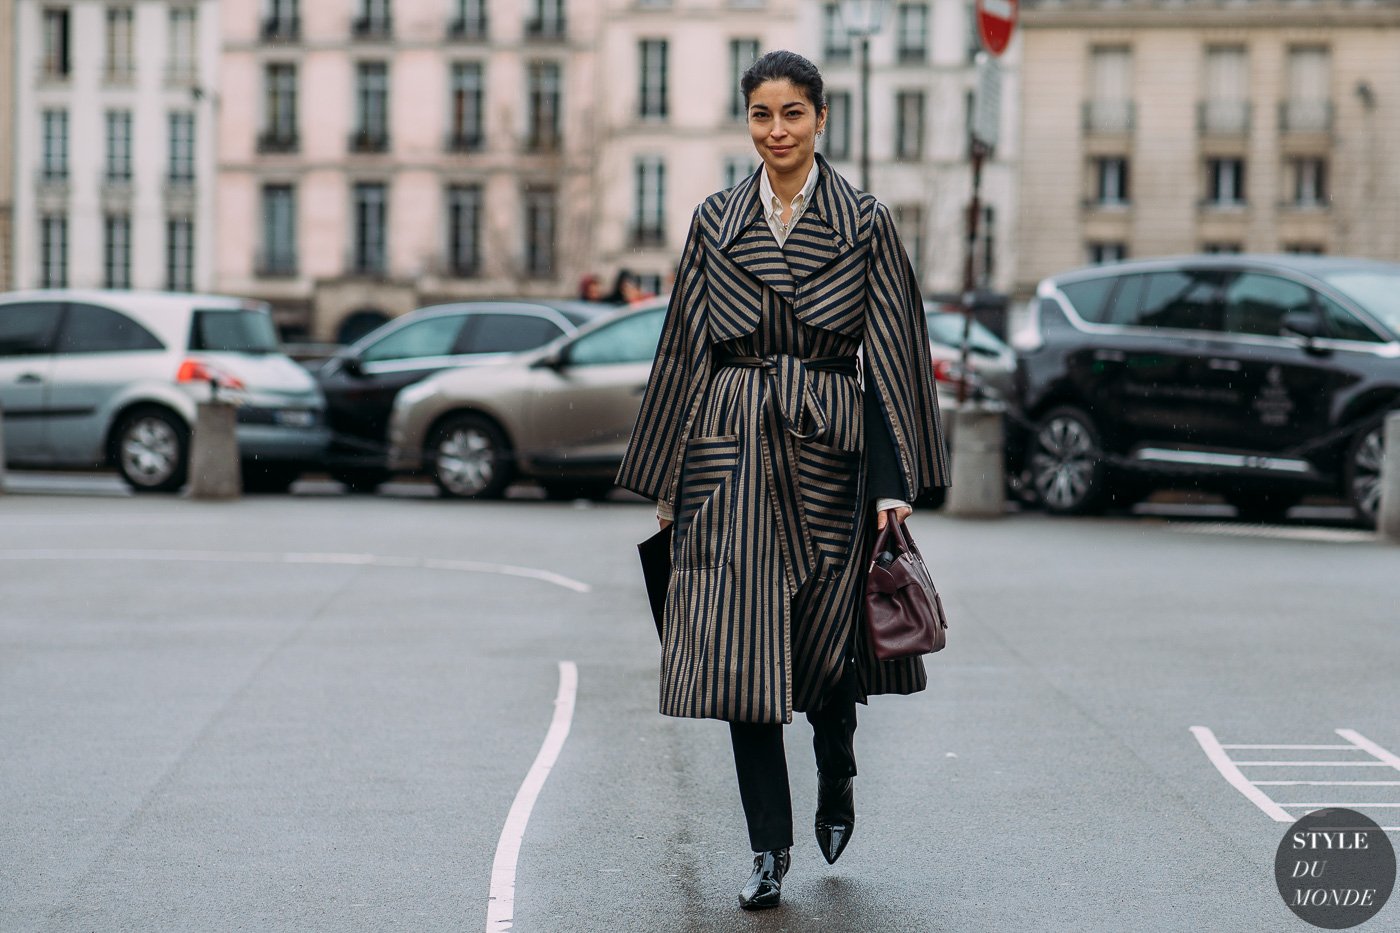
1090 298
28 328
506 333
1126 303
633 339
235 330
1344 325
1257 304
946 327
1377 292
435 336
94 329
1181 299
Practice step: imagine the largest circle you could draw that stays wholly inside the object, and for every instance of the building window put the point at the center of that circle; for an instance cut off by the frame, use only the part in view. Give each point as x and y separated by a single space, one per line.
742 54
53 251
912 32
118 147
1308 108
120 65
179 254
1314 249
539 232
1109 108
182 148
370 216
1218 248
182 46
469 20
371 108
55 164
546 20
374 20
283 19
280 106
736 169
467 131
1111 181
544 91
651 97
1225 182
909 125
838 125
57 47
649 215
909 221
116 254
1099 253
1225 111
836 41
464 229
1309 182
279 210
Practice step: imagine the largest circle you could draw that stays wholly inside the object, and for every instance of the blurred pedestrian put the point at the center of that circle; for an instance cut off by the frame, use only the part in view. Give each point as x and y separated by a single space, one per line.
777 465
590 288
626 288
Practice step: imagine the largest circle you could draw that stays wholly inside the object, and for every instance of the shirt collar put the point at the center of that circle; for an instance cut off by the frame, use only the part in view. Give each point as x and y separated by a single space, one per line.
767 196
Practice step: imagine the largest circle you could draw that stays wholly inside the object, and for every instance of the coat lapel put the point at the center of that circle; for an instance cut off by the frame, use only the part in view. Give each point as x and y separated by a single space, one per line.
746 240
827 229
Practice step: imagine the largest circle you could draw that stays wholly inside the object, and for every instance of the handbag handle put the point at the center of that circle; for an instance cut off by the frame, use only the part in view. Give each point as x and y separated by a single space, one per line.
901 536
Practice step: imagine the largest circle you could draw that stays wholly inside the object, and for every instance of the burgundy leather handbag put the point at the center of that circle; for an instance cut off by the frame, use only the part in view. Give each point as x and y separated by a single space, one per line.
903 615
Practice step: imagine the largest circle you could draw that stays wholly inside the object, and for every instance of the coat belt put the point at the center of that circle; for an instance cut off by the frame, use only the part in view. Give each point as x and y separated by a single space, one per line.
787 380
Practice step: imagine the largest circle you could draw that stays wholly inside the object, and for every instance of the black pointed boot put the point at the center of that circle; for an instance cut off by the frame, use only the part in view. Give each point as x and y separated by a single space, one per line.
836 815
766 883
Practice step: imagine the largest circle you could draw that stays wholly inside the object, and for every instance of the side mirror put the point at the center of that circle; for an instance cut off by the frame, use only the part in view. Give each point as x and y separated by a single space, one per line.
555 359
1305 324
351 365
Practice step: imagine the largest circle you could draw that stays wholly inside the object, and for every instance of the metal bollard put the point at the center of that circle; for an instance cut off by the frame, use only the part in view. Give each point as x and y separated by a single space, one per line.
215 472
1388 517
2 450
979 472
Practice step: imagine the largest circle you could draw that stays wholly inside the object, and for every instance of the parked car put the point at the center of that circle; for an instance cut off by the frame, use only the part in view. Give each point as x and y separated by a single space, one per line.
991 361
112 378
560 415
1262 378
361 382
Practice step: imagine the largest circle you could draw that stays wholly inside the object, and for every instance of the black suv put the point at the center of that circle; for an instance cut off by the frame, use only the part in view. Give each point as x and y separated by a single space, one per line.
1262 378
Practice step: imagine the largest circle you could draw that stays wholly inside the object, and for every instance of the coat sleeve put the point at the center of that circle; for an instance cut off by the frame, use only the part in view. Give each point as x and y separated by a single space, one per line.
680 370
901 363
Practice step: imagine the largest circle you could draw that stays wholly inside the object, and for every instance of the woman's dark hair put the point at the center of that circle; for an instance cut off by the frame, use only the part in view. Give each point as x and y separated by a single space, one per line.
781 65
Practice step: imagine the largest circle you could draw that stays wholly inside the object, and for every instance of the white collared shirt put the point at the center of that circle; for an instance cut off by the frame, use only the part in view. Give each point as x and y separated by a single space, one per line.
773 205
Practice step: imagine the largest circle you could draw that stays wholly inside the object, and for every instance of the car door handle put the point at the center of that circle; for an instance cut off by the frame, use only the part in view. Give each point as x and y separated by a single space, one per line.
1116 356
30 379
1232 366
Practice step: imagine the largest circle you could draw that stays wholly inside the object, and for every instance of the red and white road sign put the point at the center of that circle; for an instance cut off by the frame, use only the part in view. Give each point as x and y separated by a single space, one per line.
996 21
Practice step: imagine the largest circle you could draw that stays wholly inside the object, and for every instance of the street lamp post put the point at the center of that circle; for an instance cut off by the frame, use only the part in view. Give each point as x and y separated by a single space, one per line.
862 19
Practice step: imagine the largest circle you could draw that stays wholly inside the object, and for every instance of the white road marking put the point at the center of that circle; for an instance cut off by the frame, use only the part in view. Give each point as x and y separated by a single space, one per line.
270 557
1339 804
1331 783
1330 535
500 907
1316 764
1340 748
1390 758
1235 776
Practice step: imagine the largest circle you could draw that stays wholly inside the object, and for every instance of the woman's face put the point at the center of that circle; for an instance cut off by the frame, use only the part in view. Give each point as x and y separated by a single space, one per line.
784 125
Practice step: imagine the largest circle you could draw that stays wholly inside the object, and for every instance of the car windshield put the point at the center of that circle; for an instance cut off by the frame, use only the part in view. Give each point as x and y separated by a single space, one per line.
233 331
946 327
1377 292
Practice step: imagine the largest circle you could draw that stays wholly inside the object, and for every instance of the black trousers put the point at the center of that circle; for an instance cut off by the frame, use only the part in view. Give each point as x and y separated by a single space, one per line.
762 767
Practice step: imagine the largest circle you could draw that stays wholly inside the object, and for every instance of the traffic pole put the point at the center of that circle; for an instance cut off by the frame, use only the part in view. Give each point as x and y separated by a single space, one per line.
1388 517
215 472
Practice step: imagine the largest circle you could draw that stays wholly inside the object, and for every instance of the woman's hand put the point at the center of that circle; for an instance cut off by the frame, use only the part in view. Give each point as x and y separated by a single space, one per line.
900 514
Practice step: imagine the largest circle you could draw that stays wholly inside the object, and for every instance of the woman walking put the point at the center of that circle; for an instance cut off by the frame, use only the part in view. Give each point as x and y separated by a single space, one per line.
777 461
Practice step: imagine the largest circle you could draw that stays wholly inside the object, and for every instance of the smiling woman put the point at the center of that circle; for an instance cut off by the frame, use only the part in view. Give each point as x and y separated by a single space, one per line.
778 463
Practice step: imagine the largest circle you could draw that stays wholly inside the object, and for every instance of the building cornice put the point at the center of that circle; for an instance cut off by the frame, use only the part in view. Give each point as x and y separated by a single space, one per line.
1197 14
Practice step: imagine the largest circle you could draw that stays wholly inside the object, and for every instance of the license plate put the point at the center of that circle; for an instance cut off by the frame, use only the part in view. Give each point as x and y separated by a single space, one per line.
296 417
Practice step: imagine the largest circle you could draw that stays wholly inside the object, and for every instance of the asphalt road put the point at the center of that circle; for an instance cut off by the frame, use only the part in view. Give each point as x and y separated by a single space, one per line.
313 713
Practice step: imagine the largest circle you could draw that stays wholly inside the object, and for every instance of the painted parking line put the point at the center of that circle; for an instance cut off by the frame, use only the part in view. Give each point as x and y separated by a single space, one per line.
270 557
500 905
1219 755
1277 532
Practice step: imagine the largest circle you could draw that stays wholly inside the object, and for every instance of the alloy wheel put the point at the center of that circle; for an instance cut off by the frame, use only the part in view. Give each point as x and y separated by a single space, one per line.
1364 480
466 460
150 451
1065 463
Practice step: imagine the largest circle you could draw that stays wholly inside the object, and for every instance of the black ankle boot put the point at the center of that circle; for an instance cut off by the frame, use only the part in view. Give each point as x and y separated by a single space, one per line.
836 815
766 882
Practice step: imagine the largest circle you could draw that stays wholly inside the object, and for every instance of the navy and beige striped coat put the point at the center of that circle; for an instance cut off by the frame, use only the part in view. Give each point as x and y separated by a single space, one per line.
767 465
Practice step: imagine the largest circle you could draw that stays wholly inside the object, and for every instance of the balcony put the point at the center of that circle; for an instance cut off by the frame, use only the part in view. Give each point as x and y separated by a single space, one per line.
367 264
465 142
53 179
1305 117
1108 117
278 141
543 142
369 141
1223 117
281 28
119 74
545 29
463 267
373 28
181 73
650 235
276 265
467 30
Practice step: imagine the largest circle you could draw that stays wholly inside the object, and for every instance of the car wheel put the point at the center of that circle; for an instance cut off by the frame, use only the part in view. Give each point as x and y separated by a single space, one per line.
269 478
152 450
1262 505
366 480
1066 463
469 458
1363 474
568 490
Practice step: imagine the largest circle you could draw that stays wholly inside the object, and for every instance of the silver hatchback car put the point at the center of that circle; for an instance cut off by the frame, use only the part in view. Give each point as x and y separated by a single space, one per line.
112 378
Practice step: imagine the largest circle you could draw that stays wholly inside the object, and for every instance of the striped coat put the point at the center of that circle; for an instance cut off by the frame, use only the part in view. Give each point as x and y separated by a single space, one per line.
764 462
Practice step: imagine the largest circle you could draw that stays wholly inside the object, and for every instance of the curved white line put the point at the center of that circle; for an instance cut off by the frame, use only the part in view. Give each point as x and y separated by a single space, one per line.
500 906
1211 746
258 557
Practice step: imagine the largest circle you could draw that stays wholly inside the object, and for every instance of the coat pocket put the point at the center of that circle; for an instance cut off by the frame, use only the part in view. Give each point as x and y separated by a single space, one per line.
706 515
828 479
